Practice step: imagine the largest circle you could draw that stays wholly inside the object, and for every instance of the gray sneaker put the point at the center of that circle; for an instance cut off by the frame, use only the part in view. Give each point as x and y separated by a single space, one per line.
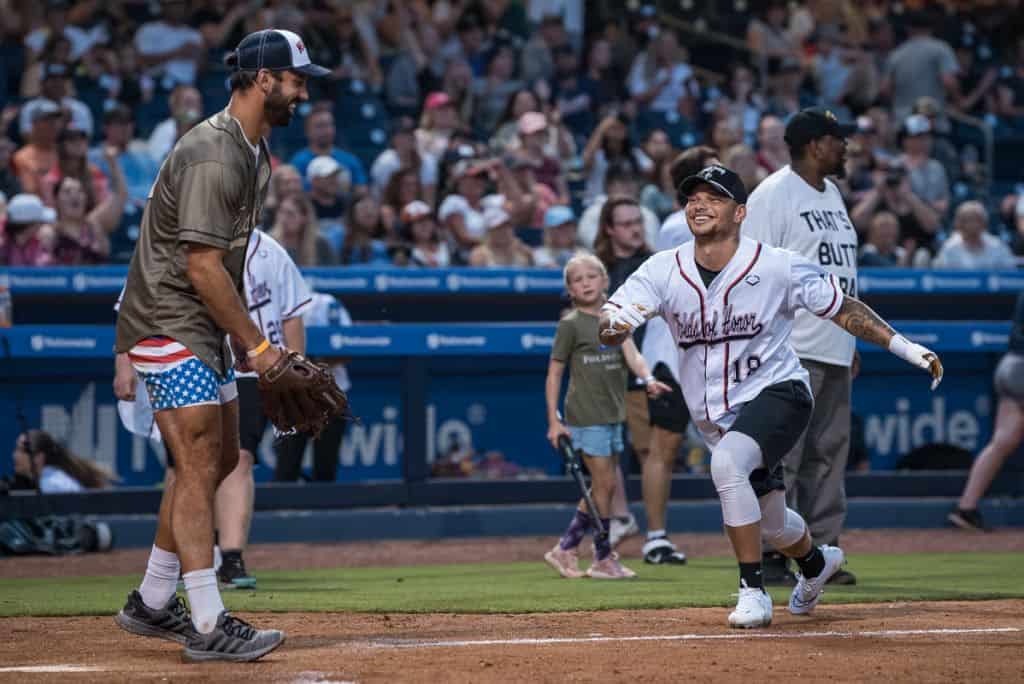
172 622
232 639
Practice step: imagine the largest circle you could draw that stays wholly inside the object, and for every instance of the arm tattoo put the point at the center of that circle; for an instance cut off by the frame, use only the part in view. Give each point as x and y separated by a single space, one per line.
859 320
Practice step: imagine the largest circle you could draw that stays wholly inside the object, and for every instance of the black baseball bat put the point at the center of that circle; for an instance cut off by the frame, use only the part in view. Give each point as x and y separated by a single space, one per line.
572 462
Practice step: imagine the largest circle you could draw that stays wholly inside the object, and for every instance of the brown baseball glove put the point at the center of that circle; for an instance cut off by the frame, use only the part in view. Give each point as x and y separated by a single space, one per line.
301 395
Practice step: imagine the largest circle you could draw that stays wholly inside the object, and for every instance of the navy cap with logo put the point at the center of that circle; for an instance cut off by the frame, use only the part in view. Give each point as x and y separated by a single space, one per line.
813 123
727 183
276 50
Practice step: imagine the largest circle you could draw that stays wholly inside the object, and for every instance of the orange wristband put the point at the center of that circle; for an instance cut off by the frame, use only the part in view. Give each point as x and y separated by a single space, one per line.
258 349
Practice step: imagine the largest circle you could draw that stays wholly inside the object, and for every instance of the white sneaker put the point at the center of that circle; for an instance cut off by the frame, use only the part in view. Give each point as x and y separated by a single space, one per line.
807 592
620 529
753 609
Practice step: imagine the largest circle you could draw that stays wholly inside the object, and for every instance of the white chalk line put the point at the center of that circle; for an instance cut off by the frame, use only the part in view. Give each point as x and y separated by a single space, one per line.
732 636
50 669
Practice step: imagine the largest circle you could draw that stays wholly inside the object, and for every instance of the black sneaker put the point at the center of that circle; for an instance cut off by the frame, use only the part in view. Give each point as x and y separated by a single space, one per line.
232 639
661 551
172 622
967 519
775 570
233 575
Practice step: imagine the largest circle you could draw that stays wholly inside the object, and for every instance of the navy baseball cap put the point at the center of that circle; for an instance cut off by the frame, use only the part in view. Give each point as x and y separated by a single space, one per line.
727 183
813 123
276 50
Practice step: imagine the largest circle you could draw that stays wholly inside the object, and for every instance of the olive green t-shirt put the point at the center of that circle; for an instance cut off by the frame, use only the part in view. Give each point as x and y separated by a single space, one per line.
210 191
597 373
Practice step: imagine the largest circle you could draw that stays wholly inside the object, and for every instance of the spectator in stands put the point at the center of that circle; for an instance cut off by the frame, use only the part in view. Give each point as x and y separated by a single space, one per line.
767 34
610 146
34 160
976 81
9 184
285 181
320 135
882 245
53 468
457 83
660 76
928 178
329 183
538 55
73 161
298 230
558 143
352 53
874 133
55 23
658 194
786 97
462 211
57 49
918 221
55 88
500 246
772 151
531 200
971 246
574 97
741 159
622 182
725 133
28 237
559 238
366 235
403 188
600 78
468 43
1018 221
832 65
169 49
534 135
942 149
186 105
139 169
403 154
922 65
423 237
860 172
416 68
1009 103
221 23
438 123
742 101
492 92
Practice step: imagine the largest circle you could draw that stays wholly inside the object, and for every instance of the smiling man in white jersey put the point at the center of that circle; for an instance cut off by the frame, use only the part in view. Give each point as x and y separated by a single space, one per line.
800 209
729 303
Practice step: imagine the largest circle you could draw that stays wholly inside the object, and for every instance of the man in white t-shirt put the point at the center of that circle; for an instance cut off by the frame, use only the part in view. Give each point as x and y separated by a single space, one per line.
800 209
168 47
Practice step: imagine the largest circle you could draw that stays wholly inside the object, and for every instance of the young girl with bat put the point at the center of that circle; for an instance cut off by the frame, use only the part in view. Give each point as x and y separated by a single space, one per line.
595 409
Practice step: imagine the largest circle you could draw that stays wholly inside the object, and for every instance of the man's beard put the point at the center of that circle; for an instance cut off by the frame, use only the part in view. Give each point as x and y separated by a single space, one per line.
839 170
276 108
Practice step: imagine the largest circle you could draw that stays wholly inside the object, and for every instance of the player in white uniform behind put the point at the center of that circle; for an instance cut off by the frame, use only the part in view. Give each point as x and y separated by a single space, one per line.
729 303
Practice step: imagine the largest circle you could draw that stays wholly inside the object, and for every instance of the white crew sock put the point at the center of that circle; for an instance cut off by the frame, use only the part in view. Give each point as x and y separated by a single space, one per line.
654 534
161 579
204 599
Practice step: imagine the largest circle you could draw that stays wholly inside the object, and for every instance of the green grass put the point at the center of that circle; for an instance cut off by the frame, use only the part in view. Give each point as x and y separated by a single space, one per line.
532 587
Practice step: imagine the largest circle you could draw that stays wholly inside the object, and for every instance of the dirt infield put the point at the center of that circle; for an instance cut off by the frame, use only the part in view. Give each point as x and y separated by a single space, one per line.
920 642
945 642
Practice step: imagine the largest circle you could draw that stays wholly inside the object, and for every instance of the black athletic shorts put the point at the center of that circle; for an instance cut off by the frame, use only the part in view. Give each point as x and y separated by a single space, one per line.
775 419
252 421
668 411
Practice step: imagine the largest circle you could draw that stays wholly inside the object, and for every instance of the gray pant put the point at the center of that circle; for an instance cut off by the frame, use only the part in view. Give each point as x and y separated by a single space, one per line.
816 465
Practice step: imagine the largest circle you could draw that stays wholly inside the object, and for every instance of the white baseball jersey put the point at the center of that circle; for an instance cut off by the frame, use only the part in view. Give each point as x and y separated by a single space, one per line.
658 345
785 211
274 288
732 337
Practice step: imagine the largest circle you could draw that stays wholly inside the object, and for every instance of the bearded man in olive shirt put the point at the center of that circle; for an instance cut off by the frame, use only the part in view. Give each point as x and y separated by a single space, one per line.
182 297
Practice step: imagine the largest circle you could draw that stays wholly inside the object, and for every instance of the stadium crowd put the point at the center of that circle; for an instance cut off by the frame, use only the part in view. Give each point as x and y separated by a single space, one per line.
490 132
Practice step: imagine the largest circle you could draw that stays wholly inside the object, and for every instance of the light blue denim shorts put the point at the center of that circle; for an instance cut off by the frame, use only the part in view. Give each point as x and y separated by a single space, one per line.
597 440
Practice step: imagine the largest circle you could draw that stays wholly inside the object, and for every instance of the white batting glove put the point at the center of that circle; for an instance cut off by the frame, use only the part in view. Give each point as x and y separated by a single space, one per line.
626 318
918 355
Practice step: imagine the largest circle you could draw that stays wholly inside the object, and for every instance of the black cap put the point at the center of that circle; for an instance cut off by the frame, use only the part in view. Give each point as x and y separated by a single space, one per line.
727 183
276 50
813 123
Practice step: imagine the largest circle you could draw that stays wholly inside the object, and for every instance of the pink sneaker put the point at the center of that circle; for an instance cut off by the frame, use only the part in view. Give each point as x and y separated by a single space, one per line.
609 568
565 563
